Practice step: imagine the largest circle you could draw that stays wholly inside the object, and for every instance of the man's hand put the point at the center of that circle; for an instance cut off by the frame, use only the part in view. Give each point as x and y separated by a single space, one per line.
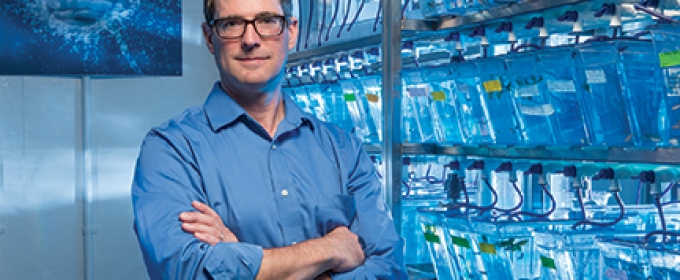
206 225
348 251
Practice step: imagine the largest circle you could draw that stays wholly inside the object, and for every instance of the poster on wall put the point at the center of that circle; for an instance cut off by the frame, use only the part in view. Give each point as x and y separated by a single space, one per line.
91 37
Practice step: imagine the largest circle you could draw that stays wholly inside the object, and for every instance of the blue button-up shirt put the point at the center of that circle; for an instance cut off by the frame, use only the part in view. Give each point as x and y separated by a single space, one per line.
270 192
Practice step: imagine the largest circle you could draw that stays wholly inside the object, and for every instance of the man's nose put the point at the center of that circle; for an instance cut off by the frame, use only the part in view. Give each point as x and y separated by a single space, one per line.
250 38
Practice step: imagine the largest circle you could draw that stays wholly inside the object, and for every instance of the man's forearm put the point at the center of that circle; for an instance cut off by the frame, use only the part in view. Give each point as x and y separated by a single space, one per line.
338 251
305 260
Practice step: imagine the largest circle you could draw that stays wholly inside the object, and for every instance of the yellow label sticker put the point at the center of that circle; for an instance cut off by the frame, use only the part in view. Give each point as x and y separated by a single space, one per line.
372 97
487 248
438 95
493 86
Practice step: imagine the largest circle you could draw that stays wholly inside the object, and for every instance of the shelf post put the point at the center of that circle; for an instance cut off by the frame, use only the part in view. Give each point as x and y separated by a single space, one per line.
391 103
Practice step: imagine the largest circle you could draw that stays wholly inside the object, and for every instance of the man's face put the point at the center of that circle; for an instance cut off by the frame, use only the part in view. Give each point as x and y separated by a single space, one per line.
250 60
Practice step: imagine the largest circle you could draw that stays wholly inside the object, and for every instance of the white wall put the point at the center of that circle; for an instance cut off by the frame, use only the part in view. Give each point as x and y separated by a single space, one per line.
43 174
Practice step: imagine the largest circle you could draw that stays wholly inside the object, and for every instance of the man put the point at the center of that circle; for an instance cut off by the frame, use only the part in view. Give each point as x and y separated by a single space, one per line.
248 186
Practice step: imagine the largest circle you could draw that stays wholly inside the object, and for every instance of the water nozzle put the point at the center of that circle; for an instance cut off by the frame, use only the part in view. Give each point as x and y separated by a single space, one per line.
476 165
507 167
534 169
504 167
504 27
604 174
453 36
407 45
568 16
537 22
649 3
507 27
569 171
480 31
343 58
454 165
572 16
606 9
647 176
537 169
358 55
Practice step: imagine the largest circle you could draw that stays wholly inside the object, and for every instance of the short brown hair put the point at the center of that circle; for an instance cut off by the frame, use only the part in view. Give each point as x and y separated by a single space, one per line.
209 9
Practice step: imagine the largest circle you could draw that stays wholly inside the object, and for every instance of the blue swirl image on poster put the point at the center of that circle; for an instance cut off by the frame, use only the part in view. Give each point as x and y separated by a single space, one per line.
90 37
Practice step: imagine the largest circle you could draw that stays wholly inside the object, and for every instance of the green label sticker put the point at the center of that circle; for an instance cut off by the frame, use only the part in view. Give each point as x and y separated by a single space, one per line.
460 242
669 59
431 237
349 97
438 95
430 232
548 262
487 248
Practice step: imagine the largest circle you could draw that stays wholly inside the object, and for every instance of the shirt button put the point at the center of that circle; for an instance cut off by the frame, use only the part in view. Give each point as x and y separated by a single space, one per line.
274 147
284 192
293 243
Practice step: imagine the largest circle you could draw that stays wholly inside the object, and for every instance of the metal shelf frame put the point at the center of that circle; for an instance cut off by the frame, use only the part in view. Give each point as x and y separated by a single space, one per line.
662 156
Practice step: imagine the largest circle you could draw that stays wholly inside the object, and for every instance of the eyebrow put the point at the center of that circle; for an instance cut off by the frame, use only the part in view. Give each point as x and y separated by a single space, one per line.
259 15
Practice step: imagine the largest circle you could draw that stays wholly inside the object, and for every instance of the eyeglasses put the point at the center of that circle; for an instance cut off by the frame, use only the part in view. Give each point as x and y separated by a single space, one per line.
235 27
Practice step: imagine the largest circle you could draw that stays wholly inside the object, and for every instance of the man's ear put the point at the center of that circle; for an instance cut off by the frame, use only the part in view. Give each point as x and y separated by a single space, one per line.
207 33
292 33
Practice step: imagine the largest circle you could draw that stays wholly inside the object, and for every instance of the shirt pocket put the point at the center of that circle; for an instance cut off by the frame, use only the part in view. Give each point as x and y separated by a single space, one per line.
333 211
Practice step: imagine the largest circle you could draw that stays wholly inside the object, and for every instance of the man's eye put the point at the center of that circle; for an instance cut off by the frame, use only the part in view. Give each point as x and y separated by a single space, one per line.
268 20
231 23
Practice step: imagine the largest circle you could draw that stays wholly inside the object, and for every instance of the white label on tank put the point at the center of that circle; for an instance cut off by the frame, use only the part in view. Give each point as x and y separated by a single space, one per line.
417 91
596 76
616 274
543 110
561 86
464 88
527 91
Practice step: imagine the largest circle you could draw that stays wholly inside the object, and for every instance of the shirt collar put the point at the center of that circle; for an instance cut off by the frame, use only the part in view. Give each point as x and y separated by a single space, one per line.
222 110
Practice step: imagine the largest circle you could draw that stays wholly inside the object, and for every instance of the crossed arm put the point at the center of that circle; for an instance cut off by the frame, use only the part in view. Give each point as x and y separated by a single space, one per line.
338 251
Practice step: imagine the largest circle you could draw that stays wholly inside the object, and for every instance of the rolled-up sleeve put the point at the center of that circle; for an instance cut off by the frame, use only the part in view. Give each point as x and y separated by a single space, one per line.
373 223
166 181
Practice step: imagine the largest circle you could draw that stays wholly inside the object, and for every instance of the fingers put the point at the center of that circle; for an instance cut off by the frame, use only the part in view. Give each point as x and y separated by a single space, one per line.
206 225
195 227
209 234
207 238
205 215
205 209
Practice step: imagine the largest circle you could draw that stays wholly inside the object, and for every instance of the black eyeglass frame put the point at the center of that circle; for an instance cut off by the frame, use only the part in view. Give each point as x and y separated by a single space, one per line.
283 18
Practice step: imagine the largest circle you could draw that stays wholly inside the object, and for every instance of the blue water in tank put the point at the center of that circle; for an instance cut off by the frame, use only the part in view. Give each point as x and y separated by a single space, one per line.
497 99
